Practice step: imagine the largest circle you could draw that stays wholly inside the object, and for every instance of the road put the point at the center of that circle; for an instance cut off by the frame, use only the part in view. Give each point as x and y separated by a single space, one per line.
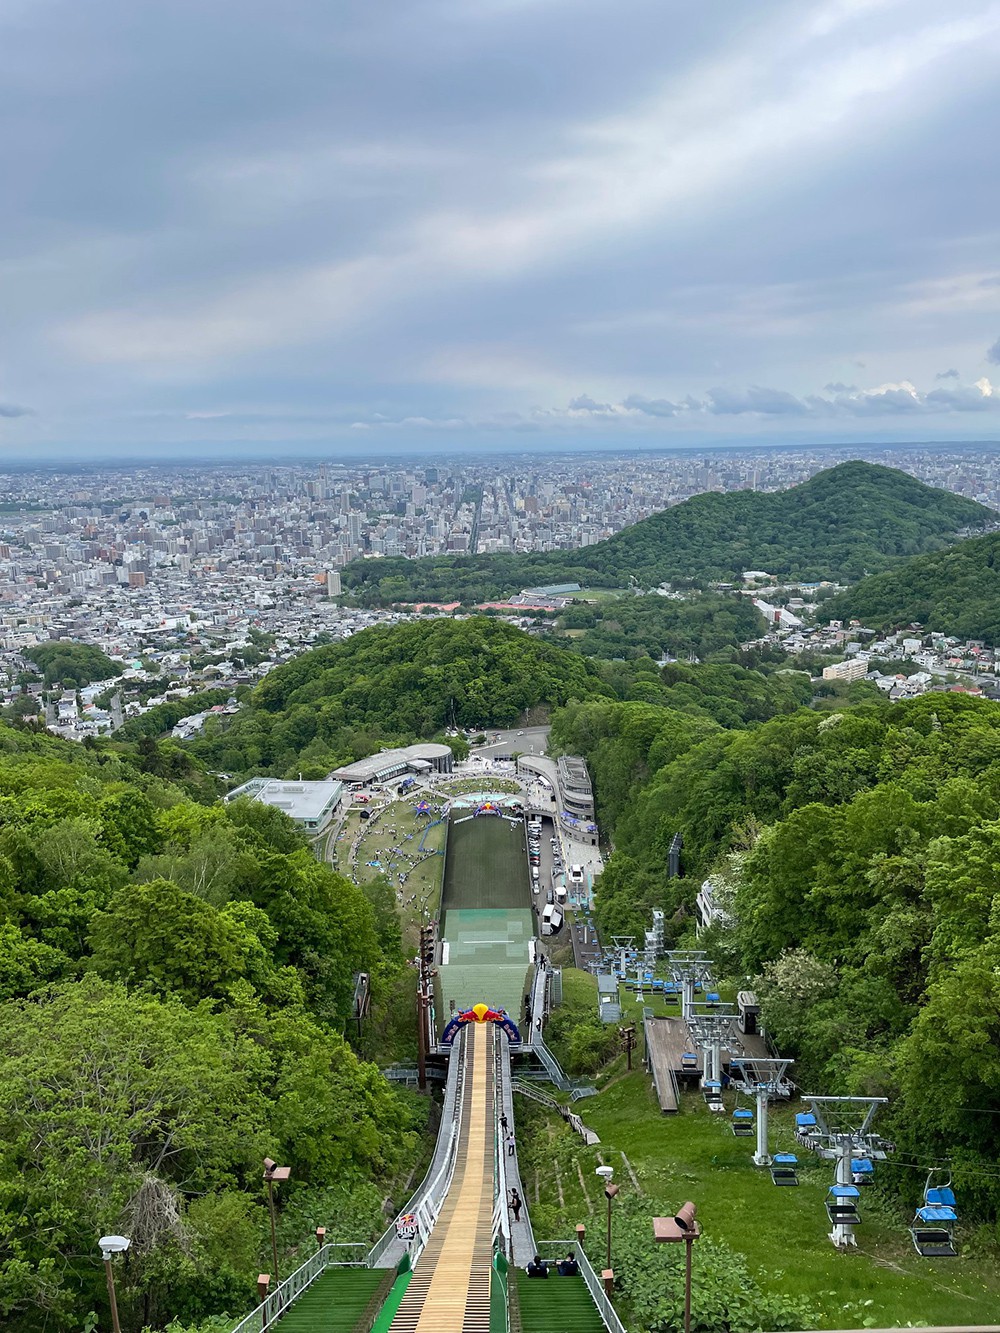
525 740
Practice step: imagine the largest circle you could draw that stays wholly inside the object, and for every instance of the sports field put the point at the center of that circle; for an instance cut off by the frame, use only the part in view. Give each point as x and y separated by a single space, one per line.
487 920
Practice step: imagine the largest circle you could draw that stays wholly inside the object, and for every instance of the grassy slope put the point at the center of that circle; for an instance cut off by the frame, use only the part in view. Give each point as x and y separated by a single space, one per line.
694 1155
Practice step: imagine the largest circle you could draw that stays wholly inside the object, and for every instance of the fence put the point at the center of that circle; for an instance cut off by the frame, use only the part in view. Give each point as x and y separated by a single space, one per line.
288 1291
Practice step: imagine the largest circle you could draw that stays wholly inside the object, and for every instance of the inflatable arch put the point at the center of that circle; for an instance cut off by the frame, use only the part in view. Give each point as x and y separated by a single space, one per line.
480 1013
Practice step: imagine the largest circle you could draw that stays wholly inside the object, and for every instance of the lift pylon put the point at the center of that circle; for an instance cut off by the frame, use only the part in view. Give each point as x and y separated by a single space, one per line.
842 1133
689 968
764 1076
713 1033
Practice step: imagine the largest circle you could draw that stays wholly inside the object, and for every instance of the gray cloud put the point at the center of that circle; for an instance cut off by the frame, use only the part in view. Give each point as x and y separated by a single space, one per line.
768 402
525 210
993 353
13 410
947 375
651 407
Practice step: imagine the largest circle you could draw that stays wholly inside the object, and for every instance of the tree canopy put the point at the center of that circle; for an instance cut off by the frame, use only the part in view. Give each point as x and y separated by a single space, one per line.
74 664
397 683
176 981
955 592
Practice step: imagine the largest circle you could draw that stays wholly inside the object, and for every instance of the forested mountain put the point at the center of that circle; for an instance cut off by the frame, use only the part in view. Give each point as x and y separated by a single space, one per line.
848 521
859 853
175 979
652 626
398 683
956 591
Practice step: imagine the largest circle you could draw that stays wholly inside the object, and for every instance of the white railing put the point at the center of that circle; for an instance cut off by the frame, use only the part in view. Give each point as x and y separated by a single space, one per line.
594 1284
288 1291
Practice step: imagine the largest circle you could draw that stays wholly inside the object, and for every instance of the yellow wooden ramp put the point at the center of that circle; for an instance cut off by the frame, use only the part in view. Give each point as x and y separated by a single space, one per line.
450 1288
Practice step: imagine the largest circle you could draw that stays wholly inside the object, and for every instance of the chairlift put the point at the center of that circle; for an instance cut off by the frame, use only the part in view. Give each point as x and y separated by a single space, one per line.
712 1091
862 1171
842 1205
806 1128
932 1228
785 1169
742 1121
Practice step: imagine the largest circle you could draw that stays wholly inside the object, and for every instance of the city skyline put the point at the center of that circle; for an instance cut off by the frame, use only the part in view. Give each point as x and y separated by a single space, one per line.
515 226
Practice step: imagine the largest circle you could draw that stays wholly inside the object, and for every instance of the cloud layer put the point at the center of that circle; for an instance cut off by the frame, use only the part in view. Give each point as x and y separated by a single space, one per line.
234 223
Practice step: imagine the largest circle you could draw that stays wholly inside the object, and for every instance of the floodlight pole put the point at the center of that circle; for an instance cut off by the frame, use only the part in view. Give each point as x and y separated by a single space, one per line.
110 1246
273 1173
110 1275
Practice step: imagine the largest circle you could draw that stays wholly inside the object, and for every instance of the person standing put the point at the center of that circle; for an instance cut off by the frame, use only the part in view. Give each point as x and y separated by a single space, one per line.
516 1204
510 1145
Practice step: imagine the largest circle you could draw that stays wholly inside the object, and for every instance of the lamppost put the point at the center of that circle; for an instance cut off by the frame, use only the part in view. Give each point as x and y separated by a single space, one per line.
610 1191
274 1175
673 1230
110 1246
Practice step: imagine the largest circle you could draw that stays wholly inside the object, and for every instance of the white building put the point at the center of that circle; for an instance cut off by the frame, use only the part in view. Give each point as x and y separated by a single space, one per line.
311 804
855 668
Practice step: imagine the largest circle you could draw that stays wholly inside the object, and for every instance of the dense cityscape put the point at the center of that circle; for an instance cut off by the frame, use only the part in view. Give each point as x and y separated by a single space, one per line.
172 574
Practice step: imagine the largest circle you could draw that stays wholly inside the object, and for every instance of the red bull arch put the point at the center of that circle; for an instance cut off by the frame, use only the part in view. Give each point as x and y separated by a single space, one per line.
480 1013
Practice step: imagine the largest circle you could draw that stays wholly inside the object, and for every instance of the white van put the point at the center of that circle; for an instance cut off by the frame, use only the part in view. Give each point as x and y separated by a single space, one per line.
552 919
576 874
534 873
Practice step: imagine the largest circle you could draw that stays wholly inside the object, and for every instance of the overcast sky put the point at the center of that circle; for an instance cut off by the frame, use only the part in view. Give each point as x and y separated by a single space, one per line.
229 225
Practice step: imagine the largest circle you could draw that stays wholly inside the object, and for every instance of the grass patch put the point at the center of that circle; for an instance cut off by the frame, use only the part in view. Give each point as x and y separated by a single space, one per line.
579 1040
782 1233
396 827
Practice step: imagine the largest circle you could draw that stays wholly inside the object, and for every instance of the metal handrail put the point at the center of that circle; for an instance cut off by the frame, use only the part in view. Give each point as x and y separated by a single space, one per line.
429 1183
278 1301
594 1284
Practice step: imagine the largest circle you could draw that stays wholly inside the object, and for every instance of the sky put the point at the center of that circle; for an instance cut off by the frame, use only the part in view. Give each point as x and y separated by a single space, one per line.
232 227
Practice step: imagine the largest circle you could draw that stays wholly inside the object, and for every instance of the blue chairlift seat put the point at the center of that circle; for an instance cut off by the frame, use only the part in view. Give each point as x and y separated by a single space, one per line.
862 1171
689 1060
805 1126
931 1232
742 1123
942 1197
784 1169
712 1092
842 1204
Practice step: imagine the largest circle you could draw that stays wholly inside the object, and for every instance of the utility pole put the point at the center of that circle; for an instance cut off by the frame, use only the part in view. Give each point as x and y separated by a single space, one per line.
628 1042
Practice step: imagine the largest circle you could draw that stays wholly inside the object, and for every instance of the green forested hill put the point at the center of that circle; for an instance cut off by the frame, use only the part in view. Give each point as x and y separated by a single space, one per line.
843 523
396 683
629 627
956 591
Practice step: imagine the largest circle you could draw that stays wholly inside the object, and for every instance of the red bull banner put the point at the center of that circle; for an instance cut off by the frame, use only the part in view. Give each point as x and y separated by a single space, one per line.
480 1013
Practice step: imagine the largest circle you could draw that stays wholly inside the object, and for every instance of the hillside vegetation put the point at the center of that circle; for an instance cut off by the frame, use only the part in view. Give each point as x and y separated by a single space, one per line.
845 522
630 627
859 853
175 981
398 683
956 591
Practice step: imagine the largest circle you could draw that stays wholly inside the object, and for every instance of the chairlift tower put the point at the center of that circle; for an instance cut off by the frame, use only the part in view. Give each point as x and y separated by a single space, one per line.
624 945
688 968
713 1032
844 1132
765 1076
654 940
